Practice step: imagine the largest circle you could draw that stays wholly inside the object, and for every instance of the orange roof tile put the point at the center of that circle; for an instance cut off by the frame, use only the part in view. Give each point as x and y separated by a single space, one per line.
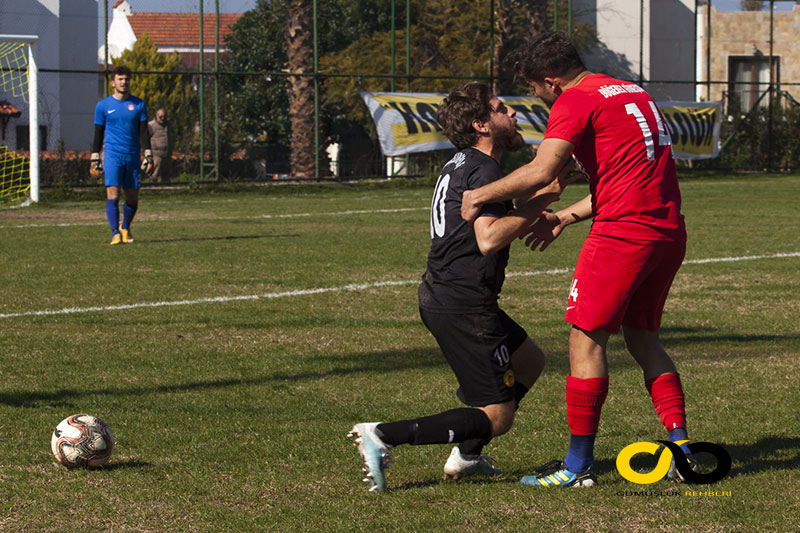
182 29
7 108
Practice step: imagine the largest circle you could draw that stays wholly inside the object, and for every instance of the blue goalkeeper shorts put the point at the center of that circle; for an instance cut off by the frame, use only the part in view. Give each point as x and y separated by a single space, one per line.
121 171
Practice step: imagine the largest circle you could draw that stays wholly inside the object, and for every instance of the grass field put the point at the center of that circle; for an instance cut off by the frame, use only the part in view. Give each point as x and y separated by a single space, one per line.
234 344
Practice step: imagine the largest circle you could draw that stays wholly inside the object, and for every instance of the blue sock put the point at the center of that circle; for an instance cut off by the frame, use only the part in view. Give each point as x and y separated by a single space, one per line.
680 434
128 212
112 213
581 453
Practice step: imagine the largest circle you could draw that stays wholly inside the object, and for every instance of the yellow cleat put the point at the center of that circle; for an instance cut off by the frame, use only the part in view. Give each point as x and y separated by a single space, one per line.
127 236
116 238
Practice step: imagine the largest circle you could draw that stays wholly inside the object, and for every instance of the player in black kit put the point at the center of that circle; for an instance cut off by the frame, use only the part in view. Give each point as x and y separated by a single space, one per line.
493 358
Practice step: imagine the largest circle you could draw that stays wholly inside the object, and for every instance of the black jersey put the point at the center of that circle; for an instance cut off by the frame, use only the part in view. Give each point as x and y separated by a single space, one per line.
459 279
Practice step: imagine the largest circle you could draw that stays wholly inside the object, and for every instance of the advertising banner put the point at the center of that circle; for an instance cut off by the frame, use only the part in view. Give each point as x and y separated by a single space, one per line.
406 123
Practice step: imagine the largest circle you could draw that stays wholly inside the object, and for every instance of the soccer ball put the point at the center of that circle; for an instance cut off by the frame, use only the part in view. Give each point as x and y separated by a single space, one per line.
82 441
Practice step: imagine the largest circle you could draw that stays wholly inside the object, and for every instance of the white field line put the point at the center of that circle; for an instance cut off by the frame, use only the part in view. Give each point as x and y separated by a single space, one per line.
735 259
342 288
254 217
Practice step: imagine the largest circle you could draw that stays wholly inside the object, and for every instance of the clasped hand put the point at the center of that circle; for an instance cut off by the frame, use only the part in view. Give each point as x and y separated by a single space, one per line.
543 232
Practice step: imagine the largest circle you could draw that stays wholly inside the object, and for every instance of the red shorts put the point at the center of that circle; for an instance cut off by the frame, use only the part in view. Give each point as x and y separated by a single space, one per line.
622 281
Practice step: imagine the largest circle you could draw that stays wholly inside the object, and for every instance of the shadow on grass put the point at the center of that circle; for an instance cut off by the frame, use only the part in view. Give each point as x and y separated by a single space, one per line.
127 465
684 338
676 336
223 238
507 478
369 363
386 362
769 453
414 485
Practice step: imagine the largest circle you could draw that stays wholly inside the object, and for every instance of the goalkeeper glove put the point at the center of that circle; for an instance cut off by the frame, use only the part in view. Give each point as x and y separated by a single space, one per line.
96 166
147 163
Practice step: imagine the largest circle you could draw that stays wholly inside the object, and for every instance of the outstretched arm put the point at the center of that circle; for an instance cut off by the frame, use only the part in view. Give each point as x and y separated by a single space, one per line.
550 160
550 225
494 233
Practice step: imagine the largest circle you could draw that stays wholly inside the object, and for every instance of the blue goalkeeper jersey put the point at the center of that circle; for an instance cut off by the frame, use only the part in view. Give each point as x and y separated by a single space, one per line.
121 119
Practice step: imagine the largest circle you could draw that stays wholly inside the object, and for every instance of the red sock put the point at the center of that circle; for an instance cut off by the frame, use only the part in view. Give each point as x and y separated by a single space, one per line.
667 394
585 398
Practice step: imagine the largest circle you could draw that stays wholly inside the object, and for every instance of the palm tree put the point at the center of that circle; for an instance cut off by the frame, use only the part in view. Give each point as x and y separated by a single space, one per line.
751 5
300 52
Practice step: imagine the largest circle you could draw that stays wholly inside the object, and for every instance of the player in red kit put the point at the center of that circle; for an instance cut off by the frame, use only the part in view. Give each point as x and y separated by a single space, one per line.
633 251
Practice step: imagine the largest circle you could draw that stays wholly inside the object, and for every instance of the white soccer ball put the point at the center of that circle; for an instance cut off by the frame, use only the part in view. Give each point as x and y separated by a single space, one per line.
82 441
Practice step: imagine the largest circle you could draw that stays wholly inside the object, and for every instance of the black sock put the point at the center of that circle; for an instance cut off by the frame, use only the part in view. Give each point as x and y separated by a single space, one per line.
455 425
394 433
473 446
520 391
128 212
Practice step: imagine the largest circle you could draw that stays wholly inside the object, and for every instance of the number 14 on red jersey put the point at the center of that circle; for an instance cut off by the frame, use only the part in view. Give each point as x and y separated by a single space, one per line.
663 134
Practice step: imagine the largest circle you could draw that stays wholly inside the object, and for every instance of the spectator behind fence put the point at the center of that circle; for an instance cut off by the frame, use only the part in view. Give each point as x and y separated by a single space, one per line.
161 143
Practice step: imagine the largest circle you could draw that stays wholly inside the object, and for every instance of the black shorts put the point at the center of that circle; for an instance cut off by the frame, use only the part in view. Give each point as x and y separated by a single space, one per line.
478 347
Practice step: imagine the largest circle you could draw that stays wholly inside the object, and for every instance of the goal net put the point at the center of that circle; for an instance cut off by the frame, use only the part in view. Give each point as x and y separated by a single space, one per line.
19 168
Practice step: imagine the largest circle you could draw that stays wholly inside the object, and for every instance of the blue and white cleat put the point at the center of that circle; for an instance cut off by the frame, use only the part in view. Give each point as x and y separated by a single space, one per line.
374 452
673 474
555 474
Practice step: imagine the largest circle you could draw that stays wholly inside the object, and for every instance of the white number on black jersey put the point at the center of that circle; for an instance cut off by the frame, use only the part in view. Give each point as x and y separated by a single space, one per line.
501 355
437 206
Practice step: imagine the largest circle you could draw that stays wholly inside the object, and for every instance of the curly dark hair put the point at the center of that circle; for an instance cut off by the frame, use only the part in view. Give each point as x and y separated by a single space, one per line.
120 70
546 55
468 102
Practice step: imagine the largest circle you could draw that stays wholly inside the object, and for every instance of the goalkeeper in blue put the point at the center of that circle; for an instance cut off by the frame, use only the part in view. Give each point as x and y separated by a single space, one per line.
120 130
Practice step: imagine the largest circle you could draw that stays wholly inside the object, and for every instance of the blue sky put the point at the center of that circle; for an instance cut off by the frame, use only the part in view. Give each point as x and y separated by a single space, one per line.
182 6
733 5
237 6
173 6
240 6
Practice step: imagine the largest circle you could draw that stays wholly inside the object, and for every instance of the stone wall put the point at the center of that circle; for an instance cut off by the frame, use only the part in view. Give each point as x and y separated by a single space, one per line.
746 33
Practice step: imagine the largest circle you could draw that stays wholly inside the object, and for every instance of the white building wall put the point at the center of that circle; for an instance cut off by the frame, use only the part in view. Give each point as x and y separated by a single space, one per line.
653 39
617 24
78 92
672 46
120 34
33 18
67 31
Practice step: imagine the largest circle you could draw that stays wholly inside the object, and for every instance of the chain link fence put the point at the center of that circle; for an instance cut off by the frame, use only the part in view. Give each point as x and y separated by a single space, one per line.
228 110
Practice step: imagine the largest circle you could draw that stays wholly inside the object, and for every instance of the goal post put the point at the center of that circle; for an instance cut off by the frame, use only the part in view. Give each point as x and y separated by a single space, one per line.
19 82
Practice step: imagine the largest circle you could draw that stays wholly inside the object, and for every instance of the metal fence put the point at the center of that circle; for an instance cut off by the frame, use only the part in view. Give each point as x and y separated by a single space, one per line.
211 101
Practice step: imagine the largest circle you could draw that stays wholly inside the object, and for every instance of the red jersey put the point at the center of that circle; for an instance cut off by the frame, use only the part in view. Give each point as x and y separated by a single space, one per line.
621 140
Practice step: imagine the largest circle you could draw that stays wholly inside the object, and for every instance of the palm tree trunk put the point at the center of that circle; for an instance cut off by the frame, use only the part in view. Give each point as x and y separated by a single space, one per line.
300 52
